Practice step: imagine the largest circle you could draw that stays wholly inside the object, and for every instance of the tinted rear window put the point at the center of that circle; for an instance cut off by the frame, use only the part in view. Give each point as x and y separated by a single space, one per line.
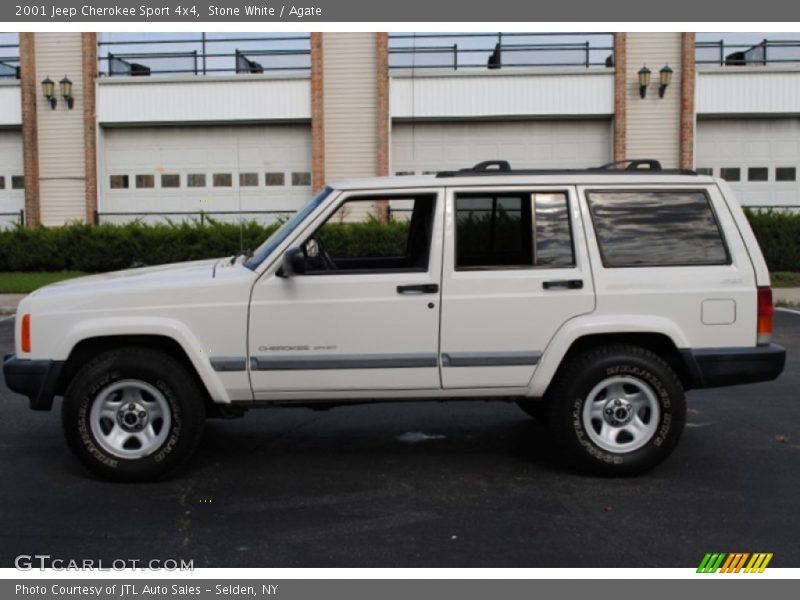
656 228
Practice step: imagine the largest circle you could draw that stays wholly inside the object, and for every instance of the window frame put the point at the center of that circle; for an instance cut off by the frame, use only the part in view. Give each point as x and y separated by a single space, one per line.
523 191
161 185
374 197
136 185
127 179
750 172
650 190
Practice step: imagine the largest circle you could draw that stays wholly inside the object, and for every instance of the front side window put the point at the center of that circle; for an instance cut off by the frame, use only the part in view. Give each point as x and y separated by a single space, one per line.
375 234
513 230
656 228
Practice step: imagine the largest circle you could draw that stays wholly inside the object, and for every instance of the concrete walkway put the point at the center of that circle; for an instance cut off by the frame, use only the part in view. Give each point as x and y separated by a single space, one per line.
8 303
782 296
786 296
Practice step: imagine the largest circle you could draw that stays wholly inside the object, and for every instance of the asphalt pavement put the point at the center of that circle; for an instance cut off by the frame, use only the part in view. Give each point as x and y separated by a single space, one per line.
467 484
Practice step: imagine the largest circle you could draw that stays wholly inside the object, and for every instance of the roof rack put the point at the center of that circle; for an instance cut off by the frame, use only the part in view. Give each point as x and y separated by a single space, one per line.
629 166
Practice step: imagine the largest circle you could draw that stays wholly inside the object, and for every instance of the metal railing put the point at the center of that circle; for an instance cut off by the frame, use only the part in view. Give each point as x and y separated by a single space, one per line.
499 50
766 52
9 61
196 215
203 54
19 215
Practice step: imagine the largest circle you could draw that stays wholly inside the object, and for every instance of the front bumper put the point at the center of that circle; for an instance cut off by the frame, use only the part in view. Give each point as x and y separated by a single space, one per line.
36 379
718 367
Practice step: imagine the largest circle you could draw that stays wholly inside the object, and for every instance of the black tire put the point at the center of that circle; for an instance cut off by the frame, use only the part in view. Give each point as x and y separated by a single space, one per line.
647 380
174 393
538 409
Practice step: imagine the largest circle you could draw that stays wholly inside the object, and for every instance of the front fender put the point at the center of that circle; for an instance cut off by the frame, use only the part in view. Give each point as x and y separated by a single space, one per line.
579 327
155 326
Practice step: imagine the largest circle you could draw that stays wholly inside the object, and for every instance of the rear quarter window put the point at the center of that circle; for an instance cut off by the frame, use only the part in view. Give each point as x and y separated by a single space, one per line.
646 228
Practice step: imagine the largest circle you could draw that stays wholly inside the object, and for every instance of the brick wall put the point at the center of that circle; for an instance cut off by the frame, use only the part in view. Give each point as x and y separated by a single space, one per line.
89 48
29 87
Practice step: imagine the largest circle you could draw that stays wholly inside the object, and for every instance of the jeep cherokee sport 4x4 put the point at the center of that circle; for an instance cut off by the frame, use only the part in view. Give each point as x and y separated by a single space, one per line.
593 298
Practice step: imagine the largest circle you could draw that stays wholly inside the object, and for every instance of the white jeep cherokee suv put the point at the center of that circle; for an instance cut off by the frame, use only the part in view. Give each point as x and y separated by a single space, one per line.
594 298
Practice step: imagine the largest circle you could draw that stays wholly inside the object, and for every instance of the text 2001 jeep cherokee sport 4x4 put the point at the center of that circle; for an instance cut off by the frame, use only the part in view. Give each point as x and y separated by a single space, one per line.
593 298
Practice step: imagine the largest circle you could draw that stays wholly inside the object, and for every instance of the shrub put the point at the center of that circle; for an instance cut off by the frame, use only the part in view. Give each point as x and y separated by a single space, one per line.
108 247
778 234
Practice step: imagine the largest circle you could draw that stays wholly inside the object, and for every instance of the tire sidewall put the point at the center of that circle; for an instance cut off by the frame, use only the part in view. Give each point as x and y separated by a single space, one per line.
86 390
668 393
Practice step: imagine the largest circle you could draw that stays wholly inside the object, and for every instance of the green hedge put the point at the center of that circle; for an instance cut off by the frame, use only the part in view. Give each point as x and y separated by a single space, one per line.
778 234
95 249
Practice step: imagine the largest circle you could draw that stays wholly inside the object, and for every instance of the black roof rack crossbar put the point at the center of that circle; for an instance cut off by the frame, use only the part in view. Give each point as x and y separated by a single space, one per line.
641 166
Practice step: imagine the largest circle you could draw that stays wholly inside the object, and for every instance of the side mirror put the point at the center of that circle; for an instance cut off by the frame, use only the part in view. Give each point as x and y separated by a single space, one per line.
294 263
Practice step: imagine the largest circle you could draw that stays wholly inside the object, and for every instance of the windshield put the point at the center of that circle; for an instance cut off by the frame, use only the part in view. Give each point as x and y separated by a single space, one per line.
280 234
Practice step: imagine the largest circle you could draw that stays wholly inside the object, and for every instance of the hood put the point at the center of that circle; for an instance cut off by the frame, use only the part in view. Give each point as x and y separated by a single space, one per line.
144 275
178 283
156 273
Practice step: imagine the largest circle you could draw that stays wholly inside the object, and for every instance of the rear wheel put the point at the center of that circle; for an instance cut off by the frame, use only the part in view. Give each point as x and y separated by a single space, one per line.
617 410
133 414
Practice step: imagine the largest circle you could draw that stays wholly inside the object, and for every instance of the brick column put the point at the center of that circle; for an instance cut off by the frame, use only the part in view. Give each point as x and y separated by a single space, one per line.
382 127
382 41
317 114
687 119
89 47
620 96
29 88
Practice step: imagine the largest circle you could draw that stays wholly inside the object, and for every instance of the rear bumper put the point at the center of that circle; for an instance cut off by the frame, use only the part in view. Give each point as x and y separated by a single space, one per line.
36 379
718 367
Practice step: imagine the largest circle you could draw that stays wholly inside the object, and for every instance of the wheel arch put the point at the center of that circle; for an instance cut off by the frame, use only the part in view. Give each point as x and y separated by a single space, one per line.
658 343
659 336
89 347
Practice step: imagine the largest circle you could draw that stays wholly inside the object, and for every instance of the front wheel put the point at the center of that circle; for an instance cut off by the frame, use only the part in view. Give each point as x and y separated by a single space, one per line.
617 410
133 414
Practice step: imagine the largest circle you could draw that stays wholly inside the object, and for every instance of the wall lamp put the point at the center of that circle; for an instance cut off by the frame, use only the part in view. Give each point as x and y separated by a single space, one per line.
665 78
65 87
48 89
644 81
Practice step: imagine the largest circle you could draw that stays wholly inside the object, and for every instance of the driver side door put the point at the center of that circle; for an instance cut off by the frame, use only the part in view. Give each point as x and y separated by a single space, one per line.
364 316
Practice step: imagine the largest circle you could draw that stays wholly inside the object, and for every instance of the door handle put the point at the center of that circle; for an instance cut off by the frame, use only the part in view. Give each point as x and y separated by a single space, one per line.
422 288
564 284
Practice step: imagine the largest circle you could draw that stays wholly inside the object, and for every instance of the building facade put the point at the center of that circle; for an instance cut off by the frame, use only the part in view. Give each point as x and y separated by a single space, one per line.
151 130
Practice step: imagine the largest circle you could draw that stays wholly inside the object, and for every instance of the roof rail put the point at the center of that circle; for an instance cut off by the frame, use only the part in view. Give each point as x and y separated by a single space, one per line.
629 166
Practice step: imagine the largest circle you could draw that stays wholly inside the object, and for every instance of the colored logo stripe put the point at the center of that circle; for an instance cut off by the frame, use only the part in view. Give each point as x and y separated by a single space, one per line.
734 562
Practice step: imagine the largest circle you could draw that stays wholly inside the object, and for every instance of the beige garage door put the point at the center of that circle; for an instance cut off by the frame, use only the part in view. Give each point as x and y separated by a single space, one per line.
252 168
760 158
424 147
12 182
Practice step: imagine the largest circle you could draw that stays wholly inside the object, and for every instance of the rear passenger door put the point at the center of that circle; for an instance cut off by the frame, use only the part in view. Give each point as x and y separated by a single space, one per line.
515 270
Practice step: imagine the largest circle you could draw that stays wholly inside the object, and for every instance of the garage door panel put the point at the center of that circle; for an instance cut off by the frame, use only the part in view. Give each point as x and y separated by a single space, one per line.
11 200
744 143
185 151
421 147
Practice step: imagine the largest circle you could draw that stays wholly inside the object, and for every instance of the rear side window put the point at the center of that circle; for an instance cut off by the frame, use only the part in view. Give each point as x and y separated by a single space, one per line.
656 228
513 230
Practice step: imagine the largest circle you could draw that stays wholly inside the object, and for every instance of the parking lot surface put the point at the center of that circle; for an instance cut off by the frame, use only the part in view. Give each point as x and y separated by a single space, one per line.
466 484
